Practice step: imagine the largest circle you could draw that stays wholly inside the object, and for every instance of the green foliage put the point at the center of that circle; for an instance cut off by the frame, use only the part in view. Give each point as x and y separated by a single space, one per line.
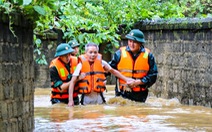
99 21
39 57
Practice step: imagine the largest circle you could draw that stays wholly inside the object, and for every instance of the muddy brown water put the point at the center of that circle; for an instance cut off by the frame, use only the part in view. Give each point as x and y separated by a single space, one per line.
120 115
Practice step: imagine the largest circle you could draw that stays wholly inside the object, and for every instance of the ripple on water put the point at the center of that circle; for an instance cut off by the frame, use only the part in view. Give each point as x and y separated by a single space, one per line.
157 114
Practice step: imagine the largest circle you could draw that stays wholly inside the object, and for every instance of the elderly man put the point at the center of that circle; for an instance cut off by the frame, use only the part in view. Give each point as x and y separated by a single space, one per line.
137 62
93 84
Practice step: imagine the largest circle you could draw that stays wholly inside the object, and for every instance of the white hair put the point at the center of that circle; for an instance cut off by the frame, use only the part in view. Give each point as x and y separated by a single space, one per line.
91 44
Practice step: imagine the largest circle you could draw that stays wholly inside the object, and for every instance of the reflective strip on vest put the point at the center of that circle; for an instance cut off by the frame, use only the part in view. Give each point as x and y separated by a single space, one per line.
62 72
133 71
145 55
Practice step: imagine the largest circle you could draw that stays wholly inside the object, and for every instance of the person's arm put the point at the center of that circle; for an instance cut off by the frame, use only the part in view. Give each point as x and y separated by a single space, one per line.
115 72
118 74
65 86
74 79
71 90
135 83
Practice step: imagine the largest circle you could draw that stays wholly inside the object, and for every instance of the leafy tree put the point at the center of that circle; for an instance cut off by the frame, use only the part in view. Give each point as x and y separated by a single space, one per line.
99 21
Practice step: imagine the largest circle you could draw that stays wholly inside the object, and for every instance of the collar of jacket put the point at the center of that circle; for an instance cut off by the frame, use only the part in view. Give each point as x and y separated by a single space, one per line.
142 49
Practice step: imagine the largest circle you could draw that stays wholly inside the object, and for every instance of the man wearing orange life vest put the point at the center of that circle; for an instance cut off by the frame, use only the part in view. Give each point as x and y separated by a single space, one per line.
61 69
137 62
93 84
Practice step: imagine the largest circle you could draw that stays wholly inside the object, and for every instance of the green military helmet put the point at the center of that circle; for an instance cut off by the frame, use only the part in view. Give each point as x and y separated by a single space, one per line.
63 49
73 43
136 35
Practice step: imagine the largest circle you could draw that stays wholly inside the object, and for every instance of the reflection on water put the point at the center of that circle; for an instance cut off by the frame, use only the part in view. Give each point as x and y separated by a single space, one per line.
120 115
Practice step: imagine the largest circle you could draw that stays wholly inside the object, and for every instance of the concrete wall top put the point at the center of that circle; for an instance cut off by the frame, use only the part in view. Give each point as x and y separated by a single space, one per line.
175 24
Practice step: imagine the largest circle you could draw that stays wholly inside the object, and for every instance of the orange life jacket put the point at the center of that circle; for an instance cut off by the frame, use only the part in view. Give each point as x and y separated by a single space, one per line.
63 73
133 69
95 77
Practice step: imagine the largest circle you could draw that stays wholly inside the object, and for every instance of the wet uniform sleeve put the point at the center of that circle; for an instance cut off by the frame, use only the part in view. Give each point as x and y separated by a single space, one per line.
151 77
55 78
115 60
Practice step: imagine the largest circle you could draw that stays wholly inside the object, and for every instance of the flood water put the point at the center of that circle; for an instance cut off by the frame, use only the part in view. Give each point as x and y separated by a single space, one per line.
120 115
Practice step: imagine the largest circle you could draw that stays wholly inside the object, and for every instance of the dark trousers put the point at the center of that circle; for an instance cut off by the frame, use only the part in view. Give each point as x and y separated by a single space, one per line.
54 101
134 96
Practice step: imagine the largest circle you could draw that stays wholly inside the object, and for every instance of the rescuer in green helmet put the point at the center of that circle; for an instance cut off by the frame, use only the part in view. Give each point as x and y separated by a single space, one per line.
63 49
136 35
61 69
137 62
74 45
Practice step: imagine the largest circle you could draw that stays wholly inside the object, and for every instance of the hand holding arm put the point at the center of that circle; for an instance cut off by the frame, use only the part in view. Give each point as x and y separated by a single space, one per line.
134 83
81 76
118 74
64 86
130 80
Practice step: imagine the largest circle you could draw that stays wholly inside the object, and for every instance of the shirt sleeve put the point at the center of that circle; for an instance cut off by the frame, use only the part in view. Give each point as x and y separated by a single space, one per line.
77 70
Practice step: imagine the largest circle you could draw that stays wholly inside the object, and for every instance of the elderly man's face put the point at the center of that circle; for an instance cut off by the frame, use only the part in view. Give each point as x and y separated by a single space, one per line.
92 53
134 46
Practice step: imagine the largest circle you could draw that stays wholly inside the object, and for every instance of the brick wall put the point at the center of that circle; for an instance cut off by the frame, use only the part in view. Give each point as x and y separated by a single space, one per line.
17 76
183 54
